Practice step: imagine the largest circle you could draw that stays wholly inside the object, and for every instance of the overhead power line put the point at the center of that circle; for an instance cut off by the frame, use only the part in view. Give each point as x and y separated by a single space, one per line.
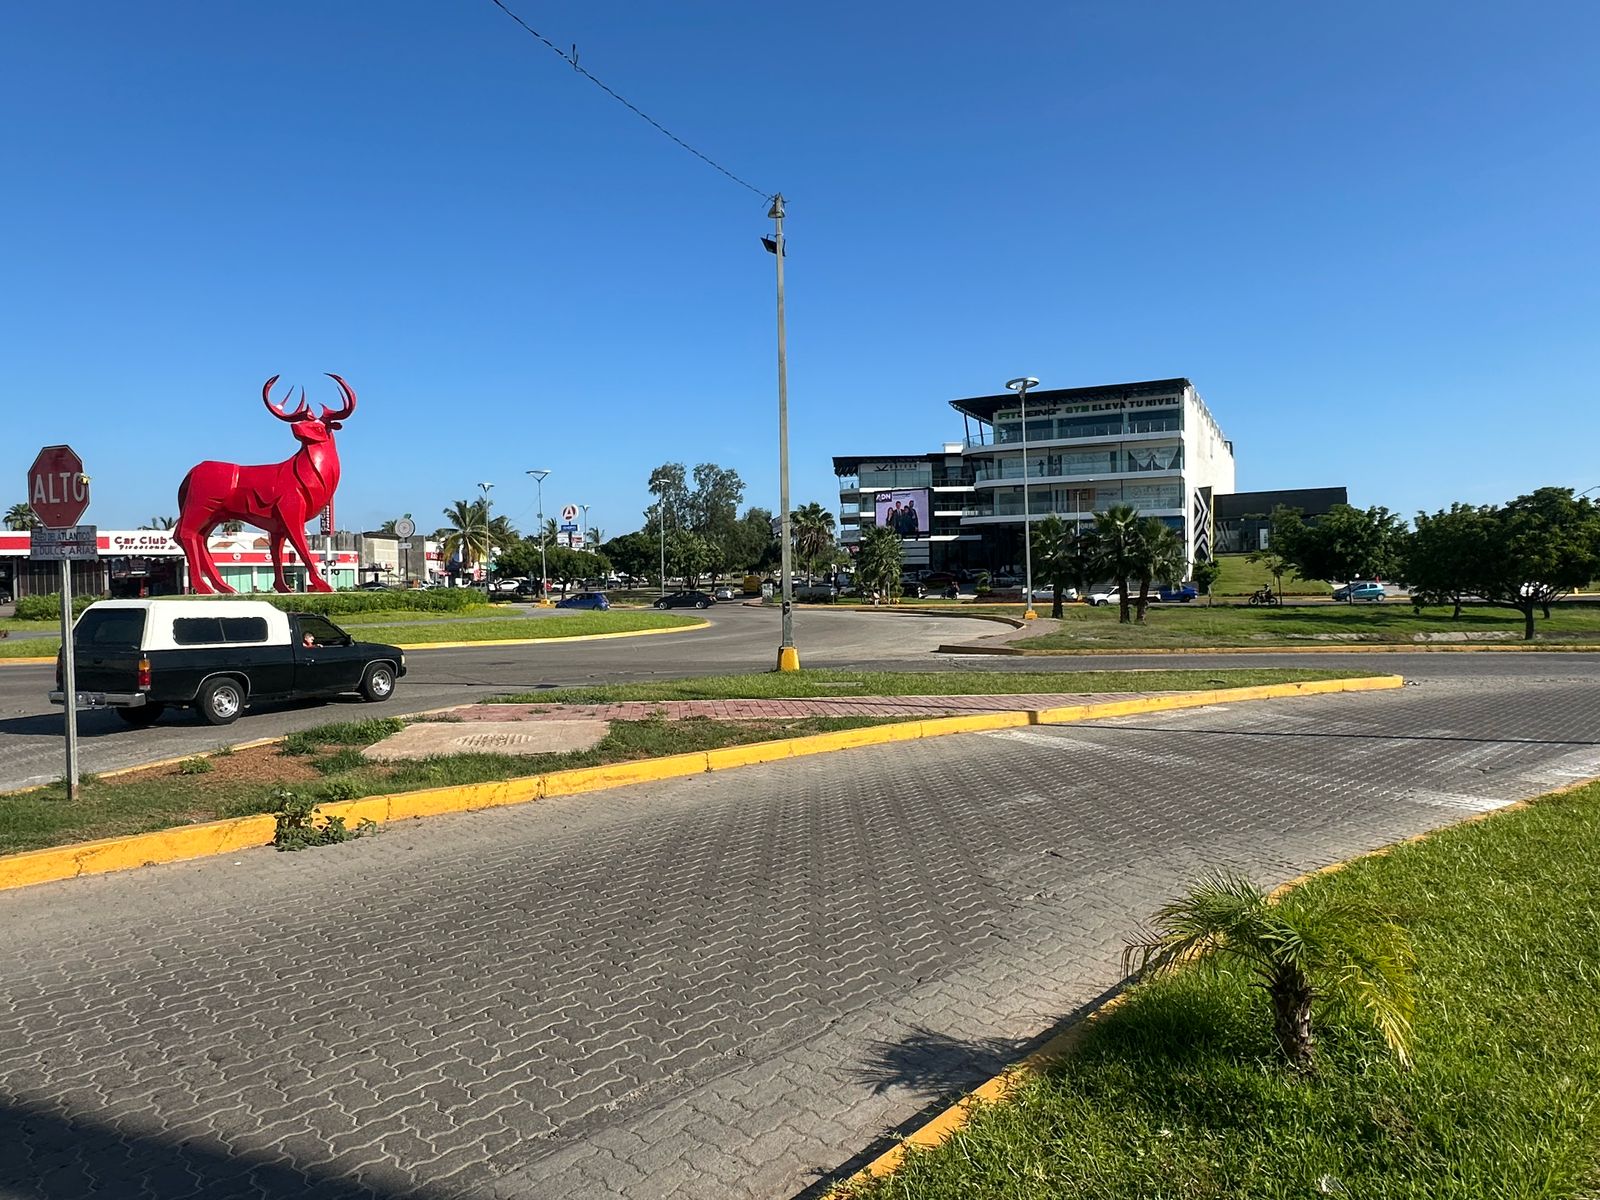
571 59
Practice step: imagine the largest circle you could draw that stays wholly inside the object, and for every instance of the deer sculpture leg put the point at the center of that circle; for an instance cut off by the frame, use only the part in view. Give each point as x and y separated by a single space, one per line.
203 574
279 583
297 535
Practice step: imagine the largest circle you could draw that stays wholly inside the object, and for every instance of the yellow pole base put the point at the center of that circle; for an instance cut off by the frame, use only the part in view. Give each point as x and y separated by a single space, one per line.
788 658
1030 615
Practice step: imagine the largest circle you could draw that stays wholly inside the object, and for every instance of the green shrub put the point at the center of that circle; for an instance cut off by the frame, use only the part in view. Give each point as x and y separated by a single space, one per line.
297 826
411 600
194 766
345 733
48 608
346 758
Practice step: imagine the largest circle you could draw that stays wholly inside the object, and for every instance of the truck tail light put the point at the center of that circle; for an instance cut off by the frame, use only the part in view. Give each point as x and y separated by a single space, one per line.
144 674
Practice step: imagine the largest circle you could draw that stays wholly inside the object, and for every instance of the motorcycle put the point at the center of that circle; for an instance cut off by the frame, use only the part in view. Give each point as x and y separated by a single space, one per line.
1263 595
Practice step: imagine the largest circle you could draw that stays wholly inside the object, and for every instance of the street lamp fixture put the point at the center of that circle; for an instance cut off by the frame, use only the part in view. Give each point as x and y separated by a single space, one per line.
540 474
1020 386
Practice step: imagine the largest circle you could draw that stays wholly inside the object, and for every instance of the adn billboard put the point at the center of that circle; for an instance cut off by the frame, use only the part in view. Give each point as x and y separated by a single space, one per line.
904 510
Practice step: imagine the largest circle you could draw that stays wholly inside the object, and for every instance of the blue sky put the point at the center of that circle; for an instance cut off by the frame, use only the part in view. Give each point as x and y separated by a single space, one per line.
1366 231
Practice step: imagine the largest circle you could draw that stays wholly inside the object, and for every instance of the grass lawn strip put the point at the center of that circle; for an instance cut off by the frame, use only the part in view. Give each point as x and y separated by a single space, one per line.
1176 1091
327 765
836 684
1196 626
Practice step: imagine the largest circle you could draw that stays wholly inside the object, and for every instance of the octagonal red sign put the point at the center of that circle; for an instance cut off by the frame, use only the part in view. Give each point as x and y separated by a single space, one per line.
58 490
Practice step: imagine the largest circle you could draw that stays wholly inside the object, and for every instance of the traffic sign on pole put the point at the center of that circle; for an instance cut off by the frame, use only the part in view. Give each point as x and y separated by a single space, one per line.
58 490
58 493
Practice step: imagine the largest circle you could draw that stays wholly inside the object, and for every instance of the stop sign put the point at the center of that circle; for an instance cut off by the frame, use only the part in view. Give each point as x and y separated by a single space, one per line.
58 490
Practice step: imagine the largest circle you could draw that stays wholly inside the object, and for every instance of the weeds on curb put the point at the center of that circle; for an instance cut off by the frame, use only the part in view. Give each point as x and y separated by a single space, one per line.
297 827
194 766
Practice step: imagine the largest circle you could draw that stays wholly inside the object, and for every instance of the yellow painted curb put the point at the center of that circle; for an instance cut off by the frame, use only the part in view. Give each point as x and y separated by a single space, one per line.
955 1118
221 837
578 637
26 662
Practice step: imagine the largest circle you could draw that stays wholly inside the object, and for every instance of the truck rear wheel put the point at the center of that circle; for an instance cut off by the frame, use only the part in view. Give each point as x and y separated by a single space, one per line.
378 683
142 715
221 701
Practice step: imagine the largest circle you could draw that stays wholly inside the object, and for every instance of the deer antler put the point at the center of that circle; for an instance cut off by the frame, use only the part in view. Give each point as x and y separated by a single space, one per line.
300 414
329 414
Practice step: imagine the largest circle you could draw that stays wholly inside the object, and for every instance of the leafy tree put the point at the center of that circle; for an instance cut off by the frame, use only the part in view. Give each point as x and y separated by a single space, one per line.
687 555
1161 559
753 544
1348 543
669 485
1447 553
567 565
714 503
635 555
1119 550
1205 574
1308 951
1539 547
20 518
521 558
812 528
466 531
880 561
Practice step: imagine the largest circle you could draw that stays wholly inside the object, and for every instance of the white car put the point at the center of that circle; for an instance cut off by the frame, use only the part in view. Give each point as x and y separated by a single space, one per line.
1104 596
1049 593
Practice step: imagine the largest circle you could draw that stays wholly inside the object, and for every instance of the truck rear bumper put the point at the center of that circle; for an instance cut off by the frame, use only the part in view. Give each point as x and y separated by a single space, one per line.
104 699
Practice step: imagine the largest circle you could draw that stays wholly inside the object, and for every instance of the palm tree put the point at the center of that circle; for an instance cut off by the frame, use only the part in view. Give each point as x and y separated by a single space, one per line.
880 560
1118 549
1162 559
232 527
594 536
466 534
1309 951
1053 544
20 518
812 528
161 523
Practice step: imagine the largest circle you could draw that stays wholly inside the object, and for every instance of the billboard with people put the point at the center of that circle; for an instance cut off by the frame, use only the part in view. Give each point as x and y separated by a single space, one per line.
904 510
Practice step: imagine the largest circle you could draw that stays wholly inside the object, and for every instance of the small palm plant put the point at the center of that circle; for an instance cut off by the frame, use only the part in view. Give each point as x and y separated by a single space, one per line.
1310 951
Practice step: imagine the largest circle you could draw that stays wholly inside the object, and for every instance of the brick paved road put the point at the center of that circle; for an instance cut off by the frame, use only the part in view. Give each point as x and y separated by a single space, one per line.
717 986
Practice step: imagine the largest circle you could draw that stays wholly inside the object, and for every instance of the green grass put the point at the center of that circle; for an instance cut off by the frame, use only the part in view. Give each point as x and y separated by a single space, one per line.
1195 625
834 684
1241 577
109 807
566 625
39 647
1176 1093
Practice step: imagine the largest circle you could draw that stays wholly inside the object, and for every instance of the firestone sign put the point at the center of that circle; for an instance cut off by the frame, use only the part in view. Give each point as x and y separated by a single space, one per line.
142 543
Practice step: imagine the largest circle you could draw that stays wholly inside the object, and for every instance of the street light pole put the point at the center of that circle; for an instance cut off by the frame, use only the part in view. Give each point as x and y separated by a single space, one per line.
539 475
1020 386
583 528
788 654
486 488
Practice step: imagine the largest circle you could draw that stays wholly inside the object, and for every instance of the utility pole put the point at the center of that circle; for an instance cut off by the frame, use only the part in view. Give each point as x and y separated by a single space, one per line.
539 475
788 654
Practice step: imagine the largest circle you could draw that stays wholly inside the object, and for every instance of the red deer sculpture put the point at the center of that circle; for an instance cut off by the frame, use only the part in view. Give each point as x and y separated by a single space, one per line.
277 497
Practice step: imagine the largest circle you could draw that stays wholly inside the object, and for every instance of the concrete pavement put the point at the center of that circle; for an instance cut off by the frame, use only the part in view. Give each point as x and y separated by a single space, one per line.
718 986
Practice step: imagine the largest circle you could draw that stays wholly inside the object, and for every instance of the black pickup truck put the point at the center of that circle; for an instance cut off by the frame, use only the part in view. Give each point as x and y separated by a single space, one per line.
218 657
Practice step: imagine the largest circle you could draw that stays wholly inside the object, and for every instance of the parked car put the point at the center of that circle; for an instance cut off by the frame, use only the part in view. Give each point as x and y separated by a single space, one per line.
217 657
1360 591
726 592
592 600
527 587
1048 593
689 598
372 585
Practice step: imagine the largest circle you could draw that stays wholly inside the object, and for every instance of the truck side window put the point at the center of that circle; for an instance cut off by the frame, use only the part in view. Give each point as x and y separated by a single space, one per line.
318 631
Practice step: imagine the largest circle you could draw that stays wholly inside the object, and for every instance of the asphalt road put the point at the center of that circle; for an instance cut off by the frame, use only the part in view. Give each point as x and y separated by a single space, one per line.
740 639
719 986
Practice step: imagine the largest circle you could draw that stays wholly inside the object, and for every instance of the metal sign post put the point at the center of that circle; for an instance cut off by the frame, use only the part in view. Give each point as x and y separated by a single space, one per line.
79 543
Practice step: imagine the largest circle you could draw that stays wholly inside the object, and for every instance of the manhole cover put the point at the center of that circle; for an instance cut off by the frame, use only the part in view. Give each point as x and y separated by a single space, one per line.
489 741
